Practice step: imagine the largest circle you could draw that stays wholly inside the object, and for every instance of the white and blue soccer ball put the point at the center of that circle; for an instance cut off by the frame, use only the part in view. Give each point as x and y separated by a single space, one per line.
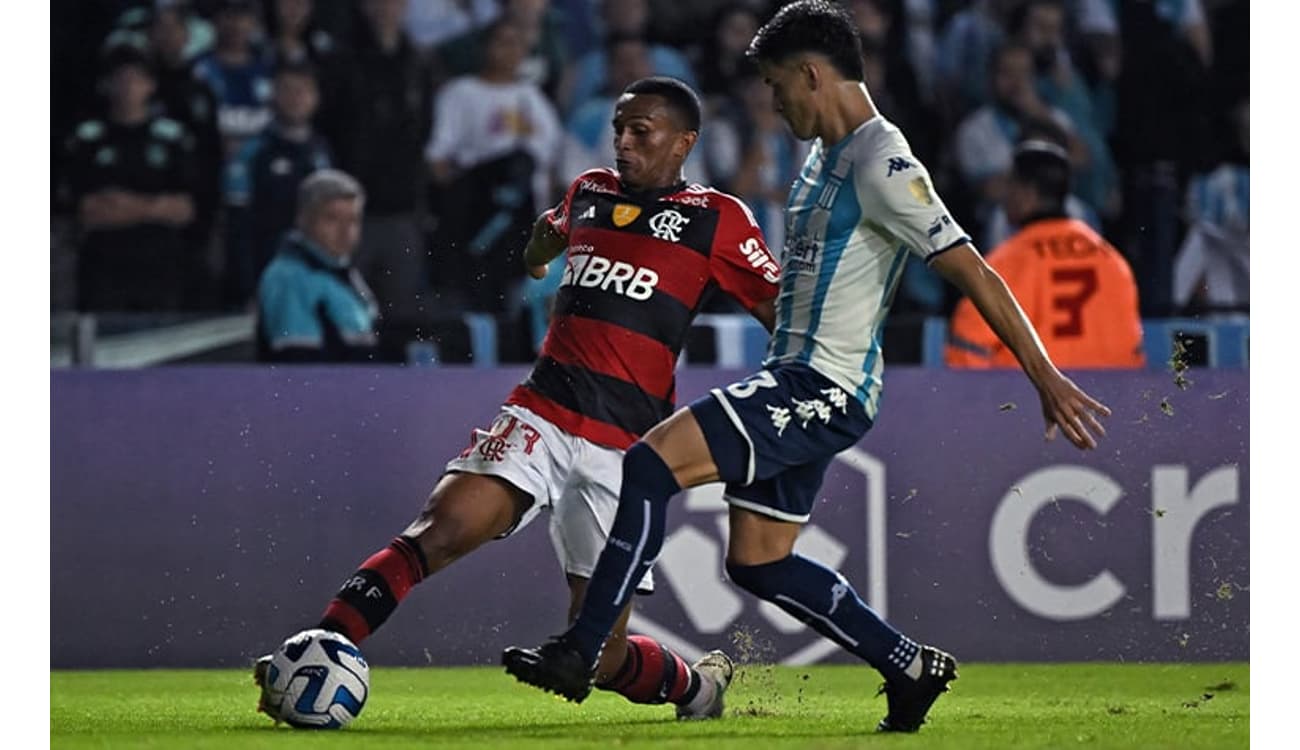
317 679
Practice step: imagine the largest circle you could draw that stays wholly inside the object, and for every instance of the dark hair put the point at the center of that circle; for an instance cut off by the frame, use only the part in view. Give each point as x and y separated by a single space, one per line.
122 54
811 26
1020 14
1045 167
614 40
680 97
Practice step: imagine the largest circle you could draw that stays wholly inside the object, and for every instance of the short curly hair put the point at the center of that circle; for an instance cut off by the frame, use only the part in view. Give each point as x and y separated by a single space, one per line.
811 26
681 98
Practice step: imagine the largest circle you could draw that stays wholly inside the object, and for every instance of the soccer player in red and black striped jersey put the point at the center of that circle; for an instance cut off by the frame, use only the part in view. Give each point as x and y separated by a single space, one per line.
644 249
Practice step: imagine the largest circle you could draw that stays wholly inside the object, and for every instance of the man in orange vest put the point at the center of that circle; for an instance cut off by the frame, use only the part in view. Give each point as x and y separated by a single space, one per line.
1076 288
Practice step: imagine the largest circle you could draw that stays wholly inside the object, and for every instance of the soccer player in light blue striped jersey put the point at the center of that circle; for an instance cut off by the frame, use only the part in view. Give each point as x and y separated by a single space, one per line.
861 204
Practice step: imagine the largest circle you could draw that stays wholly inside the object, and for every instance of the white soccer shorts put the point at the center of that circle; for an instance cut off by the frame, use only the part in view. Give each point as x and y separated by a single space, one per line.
575 479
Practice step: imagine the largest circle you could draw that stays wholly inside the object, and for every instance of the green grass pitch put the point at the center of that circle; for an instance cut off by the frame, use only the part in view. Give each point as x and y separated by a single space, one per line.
990 706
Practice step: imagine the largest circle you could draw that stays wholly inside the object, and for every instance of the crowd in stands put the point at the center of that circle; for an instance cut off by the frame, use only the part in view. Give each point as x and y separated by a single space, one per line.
183 129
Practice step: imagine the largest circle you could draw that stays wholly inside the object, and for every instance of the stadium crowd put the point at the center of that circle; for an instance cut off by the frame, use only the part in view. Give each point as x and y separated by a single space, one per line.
182 132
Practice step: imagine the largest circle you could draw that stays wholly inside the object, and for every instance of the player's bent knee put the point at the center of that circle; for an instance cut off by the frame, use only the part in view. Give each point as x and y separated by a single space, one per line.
641 460
752 579
464 512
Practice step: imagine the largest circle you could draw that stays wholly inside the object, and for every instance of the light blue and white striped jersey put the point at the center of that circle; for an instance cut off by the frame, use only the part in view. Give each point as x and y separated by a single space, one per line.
856 210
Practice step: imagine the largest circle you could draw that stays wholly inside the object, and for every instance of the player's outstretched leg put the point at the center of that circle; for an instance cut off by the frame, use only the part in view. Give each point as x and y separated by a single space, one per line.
566 664
652 673
463 512
915 675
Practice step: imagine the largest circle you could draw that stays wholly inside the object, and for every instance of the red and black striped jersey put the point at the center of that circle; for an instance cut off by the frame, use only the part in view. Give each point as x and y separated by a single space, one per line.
638 268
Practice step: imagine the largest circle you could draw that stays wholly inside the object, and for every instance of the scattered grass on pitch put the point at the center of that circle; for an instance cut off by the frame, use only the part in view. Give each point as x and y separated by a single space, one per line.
990 706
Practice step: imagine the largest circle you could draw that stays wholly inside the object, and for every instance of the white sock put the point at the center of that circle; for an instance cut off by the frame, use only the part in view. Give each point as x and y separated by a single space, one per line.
703 696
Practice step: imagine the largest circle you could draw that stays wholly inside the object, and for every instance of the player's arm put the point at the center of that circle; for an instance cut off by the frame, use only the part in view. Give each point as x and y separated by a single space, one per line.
741 263
544 246
1065 405
971 343
765 312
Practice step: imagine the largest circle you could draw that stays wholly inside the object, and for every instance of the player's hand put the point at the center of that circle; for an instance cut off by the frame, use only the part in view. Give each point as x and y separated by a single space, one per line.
1067 408
538 272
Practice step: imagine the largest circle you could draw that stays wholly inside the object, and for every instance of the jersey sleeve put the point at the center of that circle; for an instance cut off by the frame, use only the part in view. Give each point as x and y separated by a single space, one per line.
558 215
898 196
740 261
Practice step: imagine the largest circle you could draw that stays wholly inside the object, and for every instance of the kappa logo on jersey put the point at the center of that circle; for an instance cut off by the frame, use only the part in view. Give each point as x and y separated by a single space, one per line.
758 257
667 224
625 213
898 164
595 272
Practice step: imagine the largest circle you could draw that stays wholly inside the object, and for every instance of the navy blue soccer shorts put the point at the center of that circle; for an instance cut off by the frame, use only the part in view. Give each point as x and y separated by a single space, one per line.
773 434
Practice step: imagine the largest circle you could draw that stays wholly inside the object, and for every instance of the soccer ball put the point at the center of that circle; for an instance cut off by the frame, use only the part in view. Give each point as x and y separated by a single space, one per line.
317 680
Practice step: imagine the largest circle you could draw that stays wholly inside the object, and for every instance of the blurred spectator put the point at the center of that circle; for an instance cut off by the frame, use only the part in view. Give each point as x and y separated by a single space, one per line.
589 133
751 153
987 137
1161 134
883 28
900 105
1212 271
189 100
294 35
1230 28
579 25
378 136
720 61
313 306
589 76
492 150
965 51
1040 26
429 23
134 26
1100 62
922 48
543 34
262 180
130 179
1075 288
238 73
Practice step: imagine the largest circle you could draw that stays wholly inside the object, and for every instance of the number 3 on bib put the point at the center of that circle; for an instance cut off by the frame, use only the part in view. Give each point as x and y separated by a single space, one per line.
749 386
